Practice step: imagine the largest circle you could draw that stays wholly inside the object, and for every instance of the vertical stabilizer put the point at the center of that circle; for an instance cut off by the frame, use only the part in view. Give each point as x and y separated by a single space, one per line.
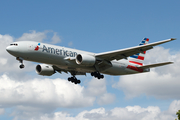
138 58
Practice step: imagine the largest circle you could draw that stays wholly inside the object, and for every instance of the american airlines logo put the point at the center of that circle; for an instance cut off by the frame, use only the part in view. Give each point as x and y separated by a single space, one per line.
37 47
56 51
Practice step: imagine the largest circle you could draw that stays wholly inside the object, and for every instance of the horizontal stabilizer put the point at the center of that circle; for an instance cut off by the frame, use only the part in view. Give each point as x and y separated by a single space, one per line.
155 65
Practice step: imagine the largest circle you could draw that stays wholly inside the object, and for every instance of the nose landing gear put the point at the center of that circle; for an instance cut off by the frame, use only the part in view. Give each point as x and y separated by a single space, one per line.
21 66
21 61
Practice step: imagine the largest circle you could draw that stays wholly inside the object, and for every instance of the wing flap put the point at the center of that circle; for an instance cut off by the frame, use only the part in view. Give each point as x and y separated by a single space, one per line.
155 65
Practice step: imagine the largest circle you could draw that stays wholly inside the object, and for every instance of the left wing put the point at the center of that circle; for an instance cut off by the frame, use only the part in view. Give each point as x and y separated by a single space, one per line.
124 53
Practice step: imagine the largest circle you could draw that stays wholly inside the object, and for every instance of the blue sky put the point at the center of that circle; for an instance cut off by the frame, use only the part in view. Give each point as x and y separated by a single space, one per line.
95 26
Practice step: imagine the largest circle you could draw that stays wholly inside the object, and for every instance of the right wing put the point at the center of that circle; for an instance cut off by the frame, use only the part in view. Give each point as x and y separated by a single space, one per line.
124 53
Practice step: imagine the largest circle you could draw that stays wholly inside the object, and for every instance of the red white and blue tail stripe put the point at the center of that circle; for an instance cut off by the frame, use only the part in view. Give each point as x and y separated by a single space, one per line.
139 58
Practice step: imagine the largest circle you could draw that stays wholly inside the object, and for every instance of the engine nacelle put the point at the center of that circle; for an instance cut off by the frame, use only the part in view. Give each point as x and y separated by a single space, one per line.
45 70
85 60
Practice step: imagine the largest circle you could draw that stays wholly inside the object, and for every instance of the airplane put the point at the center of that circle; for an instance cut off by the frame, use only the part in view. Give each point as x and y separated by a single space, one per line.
76 62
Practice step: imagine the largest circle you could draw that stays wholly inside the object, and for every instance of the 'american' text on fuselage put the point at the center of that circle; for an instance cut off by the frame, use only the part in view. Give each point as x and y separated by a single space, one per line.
56 51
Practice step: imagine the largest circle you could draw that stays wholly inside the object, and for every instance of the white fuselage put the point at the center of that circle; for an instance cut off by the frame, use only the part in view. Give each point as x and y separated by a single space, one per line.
64 58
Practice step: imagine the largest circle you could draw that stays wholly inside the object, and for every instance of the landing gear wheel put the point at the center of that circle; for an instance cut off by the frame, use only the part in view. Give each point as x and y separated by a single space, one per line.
102 76
74 80
97 75
69 79
21 61
21 66
78 81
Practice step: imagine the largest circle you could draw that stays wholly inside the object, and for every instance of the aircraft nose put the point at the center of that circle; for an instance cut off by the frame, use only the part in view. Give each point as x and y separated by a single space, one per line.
10 49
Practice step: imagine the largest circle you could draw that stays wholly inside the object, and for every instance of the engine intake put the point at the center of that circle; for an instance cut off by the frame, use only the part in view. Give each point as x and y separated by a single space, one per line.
45 70
85 60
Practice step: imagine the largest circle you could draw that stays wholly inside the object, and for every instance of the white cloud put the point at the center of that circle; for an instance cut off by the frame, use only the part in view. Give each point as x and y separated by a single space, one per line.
33 36
55 39
174 107
37 97
1 111
42 93
57 116
3 61
98 88
106 98
118 113
70 44
39 36
162 82
5 41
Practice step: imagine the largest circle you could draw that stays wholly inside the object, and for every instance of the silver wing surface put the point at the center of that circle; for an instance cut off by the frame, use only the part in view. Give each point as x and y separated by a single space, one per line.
124 53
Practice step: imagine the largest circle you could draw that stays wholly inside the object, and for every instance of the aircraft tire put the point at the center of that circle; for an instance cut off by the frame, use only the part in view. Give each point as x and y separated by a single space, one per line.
78 81
74 80
21 66
69 79
102 76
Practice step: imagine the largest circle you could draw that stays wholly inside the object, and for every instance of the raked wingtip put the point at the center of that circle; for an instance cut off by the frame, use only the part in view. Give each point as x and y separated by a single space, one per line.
173 38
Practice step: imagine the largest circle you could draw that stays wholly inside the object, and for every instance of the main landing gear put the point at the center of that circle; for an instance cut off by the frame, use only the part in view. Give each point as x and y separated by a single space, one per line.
74 80
97 75
21 61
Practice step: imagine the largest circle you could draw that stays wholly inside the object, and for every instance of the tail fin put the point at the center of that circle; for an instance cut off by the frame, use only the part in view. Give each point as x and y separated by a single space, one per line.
139 57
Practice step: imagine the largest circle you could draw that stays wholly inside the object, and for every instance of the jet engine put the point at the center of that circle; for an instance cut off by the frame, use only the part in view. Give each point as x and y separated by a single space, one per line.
85 60
45 70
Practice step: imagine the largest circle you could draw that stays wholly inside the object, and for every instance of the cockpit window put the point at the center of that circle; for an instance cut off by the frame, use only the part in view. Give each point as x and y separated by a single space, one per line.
14 44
